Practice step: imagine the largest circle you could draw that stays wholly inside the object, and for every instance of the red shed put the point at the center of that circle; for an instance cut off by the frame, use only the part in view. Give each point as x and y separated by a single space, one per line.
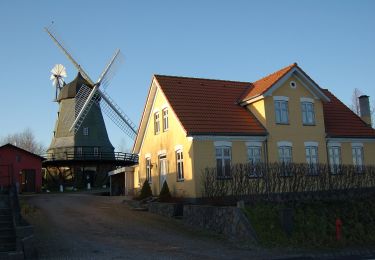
20 167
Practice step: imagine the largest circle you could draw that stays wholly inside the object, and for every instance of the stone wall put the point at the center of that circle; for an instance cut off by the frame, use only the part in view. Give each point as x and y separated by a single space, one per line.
230 221
165 209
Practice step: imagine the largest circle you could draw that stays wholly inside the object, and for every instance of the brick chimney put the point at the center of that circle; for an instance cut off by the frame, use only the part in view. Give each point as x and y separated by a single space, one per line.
364 108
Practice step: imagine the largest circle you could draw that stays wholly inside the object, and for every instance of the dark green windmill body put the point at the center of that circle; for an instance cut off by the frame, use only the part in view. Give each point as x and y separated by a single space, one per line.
91 139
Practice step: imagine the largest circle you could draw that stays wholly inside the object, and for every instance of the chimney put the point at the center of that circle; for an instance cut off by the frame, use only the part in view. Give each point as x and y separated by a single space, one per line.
364 108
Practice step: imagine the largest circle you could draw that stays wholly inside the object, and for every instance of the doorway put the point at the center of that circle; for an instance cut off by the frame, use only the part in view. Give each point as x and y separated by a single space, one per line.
28 180
163 169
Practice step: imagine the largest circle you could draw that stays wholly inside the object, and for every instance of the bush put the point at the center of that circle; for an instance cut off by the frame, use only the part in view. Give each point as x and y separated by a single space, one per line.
145 191
165 195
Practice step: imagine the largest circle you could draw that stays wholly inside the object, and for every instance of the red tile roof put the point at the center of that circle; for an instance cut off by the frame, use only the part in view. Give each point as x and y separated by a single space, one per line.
262 85
206 106
340 121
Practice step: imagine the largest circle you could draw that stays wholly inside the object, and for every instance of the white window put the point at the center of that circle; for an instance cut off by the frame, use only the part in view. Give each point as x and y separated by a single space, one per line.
312 158
96 151
165 119
156 123
285 154
79 151
334 154
180 165
254 155
163 169
148 170
86 131
308 114
223 161
357 152
281 111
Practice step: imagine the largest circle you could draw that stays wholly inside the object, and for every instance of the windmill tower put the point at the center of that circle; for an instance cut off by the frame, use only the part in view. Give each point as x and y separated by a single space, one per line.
80 150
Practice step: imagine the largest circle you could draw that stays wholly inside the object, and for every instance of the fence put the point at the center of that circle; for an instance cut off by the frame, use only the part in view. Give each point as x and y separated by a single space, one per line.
248 181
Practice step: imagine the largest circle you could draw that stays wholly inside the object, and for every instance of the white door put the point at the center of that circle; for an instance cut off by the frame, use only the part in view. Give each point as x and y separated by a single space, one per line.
163 169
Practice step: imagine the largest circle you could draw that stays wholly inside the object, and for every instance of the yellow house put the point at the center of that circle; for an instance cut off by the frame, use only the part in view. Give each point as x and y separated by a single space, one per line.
189 124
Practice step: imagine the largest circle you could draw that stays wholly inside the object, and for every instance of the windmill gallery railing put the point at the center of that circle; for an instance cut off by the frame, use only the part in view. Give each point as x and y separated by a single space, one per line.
90 154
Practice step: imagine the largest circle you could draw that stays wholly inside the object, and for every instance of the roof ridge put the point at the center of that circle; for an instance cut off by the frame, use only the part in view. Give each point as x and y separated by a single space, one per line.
278 71
185 77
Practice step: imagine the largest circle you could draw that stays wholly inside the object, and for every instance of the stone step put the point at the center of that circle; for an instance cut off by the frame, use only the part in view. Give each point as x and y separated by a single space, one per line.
4 211
7 247
5 217
4 232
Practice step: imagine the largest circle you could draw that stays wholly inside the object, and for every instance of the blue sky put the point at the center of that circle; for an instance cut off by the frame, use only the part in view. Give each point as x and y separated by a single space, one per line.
333 41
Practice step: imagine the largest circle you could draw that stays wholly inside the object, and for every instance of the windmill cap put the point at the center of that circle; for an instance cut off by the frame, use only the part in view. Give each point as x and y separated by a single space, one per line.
70 89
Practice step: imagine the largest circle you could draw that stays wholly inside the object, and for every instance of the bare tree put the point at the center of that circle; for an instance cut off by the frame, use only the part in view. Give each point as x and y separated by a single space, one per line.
355 101
25 140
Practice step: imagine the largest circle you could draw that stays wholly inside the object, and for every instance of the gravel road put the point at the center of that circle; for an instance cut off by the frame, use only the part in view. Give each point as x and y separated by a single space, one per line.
85 226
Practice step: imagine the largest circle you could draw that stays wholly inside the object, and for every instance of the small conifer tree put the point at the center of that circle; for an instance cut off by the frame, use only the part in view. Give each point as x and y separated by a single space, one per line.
165 195
145 191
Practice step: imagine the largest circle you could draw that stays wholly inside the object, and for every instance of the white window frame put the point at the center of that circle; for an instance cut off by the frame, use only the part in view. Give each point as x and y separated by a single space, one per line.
96 151
334 158
358 157
157 122
79 151
311 159
180 165
281 110
308 113
85 131
148 170
165 119
254 159
225 169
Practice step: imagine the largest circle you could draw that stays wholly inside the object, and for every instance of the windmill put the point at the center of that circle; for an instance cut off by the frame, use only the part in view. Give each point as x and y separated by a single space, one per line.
80 142
58 73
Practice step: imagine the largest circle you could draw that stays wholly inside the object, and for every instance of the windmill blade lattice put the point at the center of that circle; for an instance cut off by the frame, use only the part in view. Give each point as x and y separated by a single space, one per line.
114 112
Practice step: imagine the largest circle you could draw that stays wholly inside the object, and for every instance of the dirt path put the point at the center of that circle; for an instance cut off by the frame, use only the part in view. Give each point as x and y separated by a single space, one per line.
84 226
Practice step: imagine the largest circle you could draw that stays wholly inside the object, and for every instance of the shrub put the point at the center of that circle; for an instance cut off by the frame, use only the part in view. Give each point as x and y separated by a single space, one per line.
145 191
165 195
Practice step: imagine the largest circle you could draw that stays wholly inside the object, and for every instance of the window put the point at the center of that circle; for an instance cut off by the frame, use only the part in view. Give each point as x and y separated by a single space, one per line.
86 131
96 151
180 165
254 155
281 111
308 115
334 154
18 158
163 163
79 151
165 119
357 152
148 170
285 157
312 158
223 161
156 123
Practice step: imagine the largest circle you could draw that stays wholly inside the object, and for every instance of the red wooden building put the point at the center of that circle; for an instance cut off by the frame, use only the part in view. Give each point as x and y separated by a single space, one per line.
20 167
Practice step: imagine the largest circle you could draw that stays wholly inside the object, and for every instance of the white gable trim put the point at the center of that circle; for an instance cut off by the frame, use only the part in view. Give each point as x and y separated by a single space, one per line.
311 86
155 90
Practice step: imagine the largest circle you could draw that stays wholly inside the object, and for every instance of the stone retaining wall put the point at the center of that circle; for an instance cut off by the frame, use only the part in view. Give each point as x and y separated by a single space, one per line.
165 209
230 221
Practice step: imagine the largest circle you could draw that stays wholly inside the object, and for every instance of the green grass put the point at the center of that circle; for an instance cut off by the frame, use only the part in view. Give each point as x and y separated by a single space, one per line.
314 223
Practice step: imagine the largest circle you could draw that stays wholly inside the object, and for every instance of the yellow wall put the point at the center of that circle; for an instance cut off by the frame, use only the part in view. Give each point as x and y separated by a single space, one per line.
294 132
152 144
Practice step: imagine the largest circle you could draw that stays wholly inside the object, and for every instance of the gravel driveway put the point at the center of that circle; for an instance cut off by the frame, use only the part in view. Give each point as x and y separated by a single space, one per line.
85 226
